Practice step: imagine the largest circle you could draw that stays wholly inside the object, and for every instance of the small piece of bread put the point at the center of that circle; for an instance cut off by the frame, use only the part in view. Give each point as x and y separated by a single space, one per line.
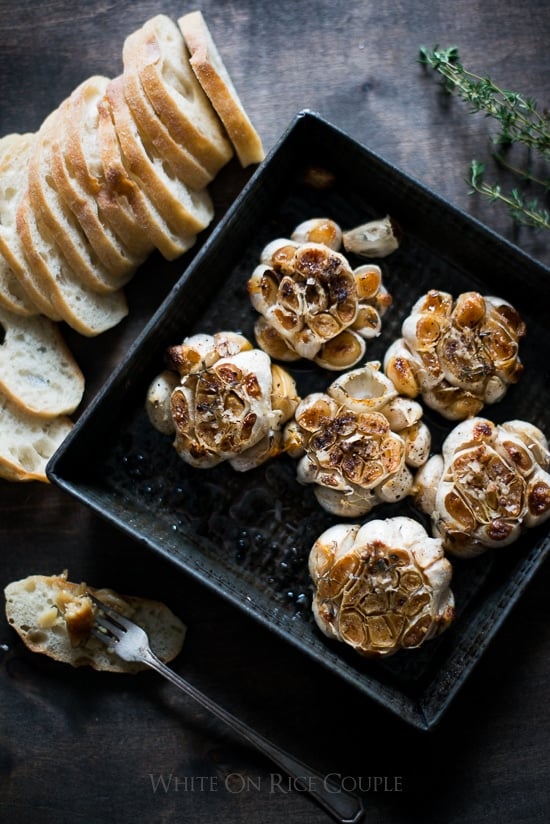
54 616
177 96
37 371
215 80
28 441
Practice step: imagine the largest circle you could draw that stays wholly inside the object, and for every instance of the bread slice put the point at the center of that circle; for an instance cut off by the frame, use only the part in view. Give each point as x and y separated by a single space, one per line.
27 442
186 210
215 80
123 187
85 310
45 200
24 291
54 616
38 373
13 296
88 138
182 163
117 258
176 95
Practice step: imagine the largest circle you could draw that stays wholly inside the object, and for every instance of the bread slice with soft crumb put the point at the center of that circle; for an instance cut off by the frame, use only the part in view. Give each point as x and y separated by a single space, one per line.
45 200
215 80
89 138
177 96
187 211
124 187
120 260
54 616
27 441
13 296
83 309
184 165
13 184
38 372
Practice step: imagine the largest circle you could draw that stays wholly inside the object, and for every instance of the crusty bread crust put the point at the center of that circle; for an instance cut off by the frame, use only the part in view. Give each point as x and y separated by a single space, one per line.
214 78
37 608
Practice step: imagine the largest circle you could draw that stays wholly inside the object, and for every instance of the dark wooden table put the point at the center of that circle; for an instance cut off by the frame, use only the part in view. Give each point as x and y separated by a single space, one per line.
80 746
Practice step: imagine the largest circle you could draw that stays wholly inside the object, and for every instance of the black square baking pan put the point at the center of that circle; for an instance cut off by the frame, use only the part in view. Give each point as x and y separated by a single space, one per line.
248 535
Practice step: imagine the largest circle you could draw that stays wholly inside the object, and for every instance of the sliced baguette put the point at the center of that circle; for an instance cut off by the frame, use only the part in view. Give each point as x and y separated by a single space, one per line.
45 200
38 373
186 210
13 296
185 167
111 251
88 139
12 187
215 80
122 186
54 616
28 441
176 95
85 310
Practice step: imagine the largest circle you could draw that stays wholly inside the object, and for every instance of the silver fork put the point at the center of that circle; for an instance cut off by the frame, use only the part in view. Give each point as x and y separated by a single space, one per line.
130 642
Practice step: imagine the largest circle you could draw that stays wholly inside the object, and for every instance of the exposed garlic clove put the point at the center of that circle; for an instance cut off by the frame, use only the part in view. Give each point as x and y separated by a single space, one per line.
342 352
375 239
318 230
157 403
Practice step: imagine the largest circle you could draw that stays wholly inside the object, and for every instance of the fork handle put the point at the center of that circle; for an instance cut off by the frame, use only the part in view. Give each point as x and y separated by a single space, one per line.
341 804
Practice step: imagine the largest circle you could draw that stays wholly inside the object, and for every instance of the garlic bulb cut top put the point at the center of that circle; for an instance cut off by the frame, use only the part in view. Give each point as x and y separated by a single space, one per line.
381 587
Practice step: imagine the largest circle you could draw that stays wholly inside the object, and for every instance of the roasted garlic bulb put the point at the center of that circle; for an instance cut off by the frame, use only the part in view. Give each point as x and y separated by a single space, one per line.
489 483
381 587
223 400
458 355
357 441
312 304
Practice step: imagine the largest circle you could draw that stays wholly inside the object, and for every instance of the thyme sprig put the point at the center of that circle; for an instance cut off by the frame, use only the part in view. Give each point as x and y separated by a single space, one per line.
525 211
518 116
519 121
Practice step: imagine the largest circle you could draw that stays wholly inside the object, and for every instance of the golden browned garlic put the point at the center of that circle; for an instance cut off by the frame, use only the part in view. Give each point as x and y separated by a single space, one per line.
312 304
222 399
490 482
381 587
357 442
458 355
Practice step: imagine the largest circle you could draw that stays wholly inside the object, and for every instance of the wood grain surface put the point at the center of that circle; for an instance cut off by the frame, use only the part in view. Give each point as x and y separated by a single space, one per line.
79 746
